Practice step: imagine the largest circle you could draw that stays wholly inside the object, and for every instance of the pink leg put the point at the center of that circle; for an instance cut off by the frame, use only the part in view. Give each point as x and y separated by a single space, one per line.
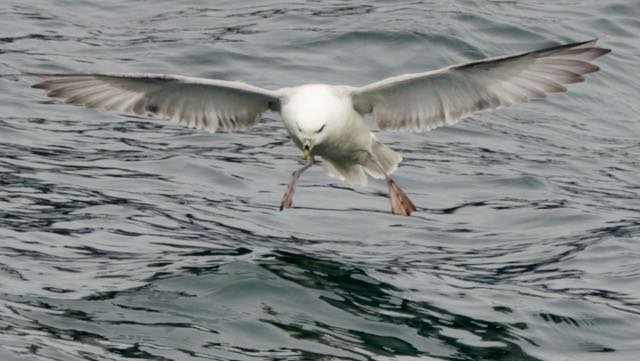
400 202
287 199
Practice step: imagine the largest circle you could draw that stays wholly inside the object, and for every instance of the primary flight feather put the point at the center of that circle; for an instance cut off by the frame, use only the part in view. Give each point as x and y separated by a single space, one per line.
327 120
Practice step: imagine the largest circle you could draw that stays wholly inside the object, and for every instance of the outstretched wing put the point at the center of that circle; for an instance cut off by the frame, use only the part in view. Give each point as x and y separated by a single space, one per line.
428 100
192 102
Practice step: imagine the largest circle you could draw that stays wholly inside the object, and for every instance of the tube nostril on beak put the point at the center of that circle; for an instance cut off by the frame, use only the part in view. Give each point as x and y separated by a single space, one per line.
306 147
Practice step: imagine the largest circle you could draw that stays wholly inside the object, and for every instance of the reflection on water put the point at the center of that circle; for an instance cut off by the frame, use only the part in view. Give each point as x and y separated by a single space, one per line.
125 239
352 291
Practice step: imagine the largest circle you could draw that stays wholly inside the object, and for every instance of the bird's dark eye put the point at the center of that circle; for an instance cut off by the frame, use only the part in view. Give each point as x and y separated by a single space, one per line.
322 127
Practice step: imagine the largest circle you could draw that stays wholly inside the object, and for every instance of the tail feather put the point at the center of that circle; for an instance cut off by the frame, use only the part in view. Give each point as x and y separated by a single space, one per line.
387 158
353 174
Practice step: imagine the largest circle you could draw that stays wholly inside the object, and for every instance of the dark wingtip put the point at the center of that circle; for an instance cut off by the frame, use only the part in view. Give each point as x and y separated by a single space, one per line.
592 43
41 85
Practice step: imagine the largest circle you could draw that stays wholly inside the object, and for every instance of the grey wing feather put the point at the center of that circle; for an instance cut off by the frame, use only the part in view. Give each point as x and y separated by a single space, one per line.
427 100
192 102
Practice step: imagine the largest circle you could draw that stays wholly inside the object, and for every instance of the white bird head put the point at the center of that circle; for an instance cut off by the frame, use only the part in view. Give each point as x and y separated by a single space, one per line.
315 109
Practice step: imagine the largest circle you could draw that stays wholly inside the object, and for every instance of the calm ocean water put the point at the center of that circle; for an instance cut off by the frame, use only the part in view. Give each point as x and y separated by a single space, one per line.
126 239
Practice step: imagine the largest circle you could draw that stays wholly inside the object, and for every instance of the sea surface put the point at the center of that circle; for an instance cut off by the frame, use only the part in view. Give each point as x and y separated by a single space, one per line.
129 239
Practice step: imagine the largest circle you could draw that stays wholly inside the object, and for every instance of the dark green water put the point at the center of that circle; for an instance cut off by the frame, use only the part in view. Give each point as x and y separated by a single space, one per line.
123 239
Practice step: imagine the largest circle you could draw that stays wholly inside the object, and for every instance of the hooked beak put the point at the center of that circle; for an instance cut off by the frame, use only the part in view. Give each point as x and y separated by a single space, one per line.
306 149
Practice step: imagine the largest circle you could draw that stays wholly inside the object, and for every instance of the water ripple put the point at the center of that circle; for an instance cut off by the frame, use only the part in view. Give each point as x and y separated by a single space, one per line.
124 238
